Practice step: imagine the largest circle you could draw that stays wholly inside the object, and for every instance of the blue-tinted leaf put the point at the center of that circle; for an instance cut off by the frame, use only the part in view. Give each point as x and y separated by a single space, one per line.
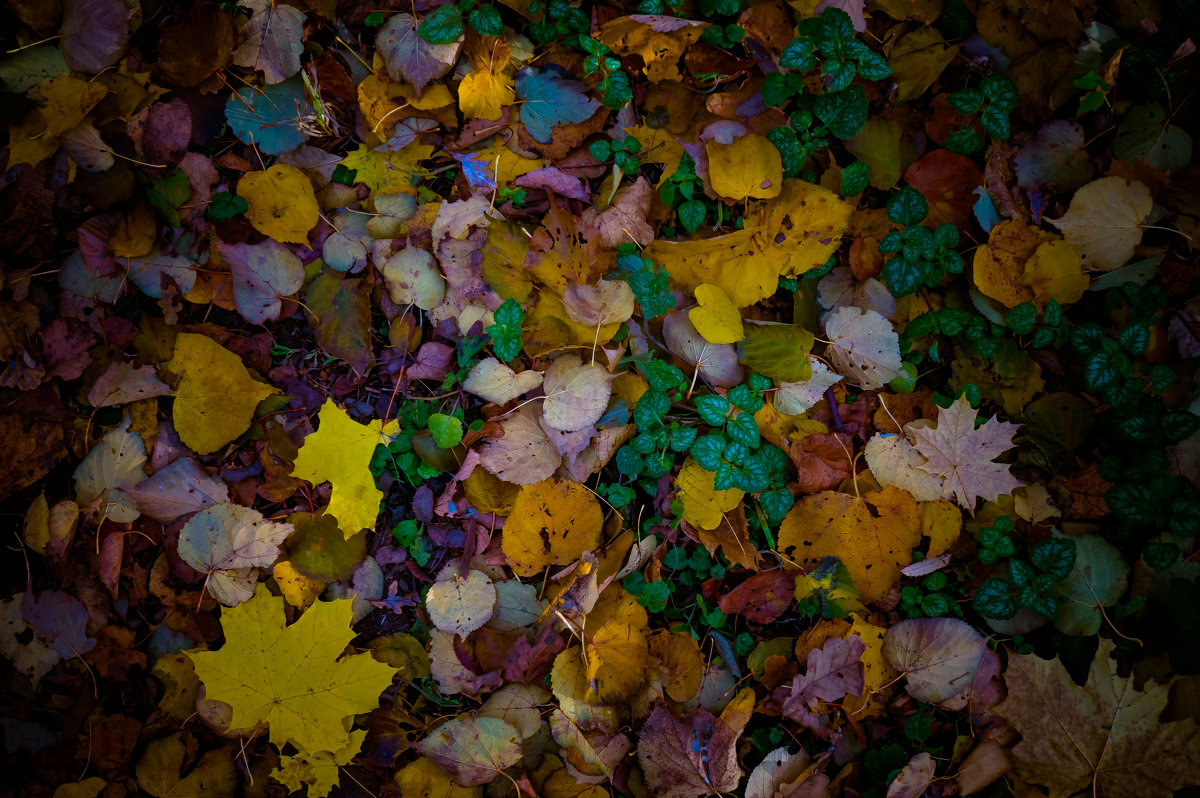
267 117
551 98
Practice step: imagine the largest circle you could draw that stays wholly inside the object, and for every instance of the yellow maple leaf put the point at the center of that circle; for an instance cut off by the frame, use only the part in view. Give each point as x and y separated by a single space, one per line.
553 522
292 678
216 397
388 171
483 94
282 203
340 452
873 535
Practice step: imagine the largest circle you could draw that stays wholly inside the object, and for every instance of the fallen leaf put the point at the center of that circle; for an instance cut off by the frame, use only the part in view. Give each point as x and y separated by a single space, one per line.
409 57
938 656
292 678
873 535
496 382
115 462
553 522
717 319
749 167
282 203
272 40
473 750
688 758
961 455
524 455
229 543
263 274
177 489
460 605
864 346
576 394
1104 737
216 397
340 452
1097 580
1104 221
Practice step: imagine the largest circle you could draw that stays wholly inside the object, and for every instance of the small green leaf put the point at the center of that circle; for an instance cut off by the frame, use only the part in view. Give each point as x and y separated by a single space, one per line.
712 409
443 26
506 332
964 141
993 599
855 178
225 206
447 430
966 101
486 21
1022 318
907 206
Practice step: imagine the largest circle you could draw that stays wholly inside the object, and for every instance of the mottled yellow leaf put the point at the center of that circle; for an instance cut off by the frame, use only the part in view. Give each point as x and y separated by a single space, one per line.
617 658
552 522
999 265
873 535
941 522
282 203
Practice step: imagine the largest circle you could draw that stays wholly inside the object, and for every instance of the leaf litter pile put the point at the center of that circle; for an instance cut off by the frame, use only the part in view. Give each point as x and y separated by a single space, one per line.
751 397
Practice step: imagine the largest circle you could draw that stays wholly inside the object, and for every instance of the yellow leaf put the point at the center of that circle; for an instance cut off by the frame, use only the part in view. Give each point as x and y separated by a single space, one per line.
158 771
917 60
216 397
553 522
716 319
617 657
282 203
873 535
340 452
425 779
569 683
389 172
807 222
748 167
67 101
488 493
297 589
659 146
660 44
88 788
320 771
999 265
885 148
483 94
293 678
941 522
745 263
876 671
680 656
703 505
1055 271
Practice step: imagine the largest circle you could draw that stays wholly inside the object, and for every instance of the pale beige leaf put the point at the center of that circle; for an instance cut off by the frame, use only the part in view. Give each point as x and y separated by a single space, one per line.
607 302
524 455
496 382
458 605
864 346
894 461
961 455
576 394
1104 221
